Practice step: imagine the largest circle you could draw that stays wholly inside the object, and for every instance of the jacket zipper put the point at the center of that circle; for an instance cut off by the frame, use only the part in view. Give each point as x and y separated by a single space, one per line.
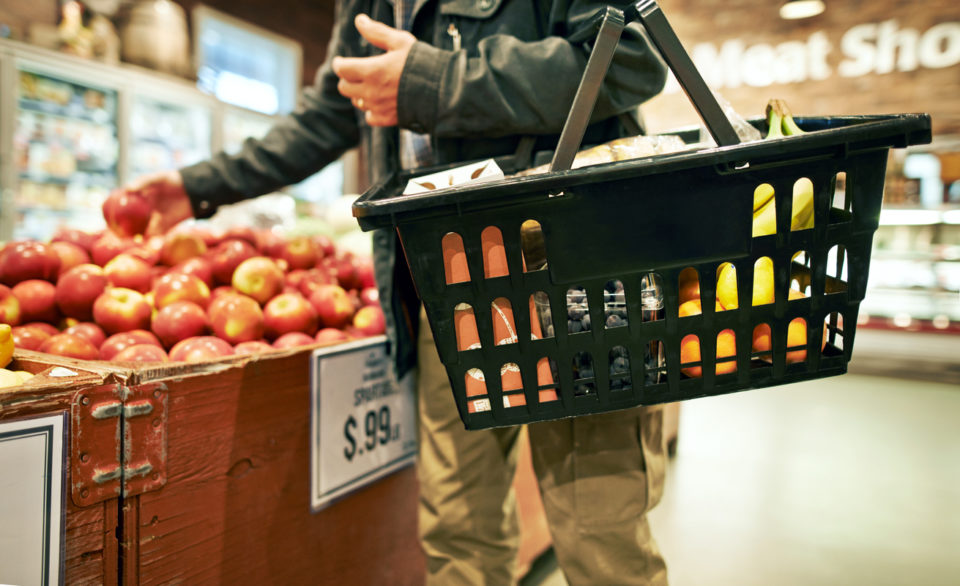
454 33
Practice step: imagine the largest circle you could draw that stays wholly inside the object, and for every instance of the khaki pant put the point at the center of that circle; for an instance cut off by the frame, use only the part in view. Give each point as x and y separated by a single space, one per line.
598 477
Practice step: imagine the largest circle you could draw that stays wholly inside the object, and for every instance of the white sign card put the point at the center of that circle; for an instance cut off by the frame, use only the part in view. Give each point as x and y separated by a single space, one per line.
32 455
363 421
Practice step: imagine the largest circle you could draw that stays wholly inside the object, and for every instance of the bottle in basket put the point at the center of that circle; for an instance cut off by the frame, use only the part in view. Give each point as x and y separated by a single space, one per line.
651 305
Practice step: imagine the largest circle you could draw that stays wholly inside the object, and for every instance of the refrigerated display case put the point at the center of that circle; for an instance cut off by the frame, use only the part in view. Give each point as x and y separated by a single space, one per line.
165 134
65 150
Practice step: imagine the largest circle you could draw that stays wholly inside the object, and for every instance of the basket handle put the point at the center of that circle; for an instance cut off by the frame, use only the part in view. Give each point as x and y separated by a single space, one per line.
610 23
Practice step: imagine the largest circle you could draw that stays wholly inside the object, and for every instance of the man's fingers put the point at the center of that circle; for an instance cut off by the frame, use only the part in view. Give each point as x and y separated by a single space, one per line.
378 34
387 118
357 69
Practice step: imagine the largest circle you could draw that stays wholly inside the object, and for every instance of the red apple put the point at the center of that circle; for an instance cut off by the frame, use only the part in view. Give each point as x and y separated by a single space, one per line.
289 312
268 242
46 327
330 336
9 306
141 353
198 266
312 279
333 305
121 310
199 349
241 233
227 256
145 253
38 300
346 271
118 342
108 246
370 321
70 345
70 255
365 274
88 330
127 213
253 347
178 321
181 246
173 287
293 340
29 337
326 246
82 239
259 277
129 272
223 290
78 288
370 296
236 318
299 253
23 261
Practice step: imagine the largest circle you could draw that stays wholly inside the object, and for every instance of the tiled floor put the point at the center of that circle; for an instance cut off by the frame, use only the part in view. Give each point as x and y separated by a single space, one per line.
853 480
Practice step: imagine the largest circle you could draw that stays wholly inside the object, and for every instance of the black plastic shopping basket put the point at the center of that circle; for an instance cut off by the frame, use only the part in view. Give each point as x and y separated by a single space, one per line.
583 315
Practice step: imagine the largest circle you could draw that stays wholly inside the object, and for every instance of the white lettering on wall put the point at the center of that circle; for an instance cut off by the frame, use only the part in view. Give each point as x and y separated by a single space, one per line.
866 49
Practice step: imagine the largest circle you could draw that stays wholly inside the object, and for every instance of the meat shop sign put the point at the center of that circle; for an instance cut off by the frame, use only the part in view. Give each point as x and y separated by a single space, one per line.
865 49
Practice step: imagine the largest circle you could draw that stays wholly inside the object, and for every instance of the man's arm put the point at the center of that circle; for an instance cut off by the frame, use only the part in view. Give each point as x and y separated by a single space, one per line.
322 128
516 87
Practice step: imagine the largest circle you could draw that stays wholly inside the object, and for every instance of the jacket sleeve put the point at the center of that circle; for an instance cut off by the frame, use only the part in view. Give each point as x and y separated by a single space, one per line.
511 87
322 128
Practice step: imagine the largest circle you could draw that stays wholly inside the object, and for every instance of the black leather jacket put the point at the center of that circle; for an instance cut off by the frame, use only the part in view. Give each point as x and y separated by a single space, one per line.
484 74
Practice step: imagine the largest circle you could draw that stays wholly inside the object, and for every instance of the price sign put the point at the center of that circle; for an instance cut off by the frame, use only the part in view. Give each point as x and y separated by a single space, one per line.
363 421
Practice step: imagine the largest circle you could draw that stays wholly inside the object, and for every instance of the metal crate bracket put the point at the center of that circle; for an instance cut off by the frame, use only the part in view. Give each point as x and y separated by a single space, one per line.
118 442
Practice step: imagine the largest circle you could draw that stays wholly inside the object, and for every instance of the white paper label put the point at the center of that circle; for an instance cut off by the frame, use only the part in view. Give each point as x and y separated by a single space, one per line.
363 420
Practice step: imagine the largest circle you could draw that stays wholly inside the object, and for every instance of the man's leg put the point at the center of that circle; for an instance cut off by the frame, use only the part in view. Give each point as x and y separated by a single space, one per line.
468 524
599 475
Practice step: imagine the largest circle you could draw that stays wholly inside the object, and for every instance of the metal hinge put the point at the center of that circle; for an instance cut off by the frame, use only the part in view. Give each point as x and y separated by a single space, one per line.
118 442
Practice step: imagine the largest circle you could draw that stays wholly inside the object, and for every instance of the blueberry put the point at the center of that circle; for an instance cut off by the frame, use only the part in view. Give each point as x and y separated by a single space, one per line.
574 326
620 365
581 390
576 296
614 321
586 372
576 312
549 333
585 322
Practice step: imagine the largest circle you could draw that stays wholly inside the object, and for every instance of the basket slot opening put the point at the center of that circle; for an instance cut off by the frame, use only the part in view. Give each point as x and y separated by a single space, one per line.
619 360
465 325
727 287
532 246
454 259
690 358
541 318
547 376
651 297
837 269
614 304
504 326
802 211
476 391
578 312
688 285
761 344
655 362
511 382
764 210
833 334
763 293
840 200
584 382
797 340
801 274
494 254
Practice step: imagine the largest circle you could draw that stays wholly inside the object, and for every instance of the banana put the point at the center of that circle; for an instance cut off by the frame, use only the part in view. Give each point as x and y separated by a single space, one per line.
802 205
761 195
765 219
789 126
774 120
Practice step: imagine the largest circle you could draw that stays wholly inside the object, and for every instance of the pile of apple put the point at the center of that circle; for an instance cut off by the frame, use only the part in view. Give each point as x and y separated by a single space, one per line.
189 295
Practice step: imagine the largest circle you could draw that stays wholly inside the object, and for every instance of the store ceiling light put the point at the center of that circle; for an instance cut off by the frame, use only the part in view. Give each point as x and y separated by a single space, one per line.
796 9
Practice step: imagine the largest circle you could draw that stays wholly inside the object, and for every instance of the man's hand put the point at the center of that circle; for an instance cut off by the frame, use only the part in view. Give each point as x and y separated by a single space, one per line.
167 197
371 82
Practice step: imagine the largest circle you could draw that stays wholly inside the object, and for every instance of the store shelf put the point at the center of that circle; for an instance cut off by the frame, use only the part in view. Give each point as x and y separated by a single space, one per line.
68 112
918 217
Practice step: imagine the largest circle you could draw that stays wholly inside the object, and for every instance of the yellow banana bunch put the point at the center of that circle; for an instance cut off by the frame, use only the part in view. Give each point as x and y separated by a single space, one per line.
780 123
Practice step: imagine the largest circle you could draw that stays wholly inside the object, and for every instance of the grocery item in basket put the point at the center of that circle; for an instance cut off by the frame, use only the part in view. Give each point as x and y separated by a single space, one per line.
454 259
494 255
504 326
621 149
465 325
726 348
480 172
